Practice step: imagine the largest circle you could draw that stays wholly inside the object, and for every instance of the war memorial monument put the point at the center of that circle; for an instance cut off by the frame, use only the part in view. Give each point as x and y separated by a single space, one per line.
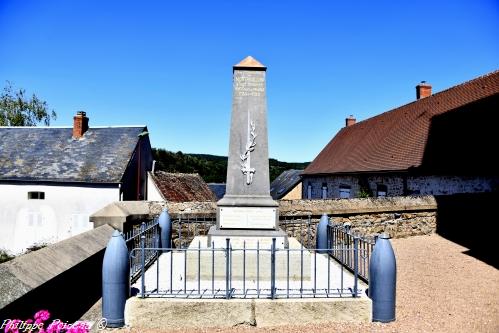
247 211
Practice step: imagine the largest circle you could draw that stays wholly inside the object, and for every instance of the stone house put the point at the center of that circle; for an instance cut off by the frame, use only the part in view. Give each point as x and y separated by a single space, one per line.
53 178
440 144
287 186
178 187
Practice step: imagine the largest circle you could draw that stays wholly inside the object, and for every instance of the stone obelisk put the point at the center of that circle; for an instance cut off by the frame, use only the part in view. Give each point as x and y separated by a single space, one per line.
247 211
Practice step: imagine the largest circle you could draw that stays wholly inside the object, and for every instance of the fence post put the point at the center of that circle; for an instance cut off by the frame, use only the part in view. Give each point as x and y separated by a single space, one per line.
355 264
115 281
142 258
165 224
227 267
330 238
321 235
383 280
272 270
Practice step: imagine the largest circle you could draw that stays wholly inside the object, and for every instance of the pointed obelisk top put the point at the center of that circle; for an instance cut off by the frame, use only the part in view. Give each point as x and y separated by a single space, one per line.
250 63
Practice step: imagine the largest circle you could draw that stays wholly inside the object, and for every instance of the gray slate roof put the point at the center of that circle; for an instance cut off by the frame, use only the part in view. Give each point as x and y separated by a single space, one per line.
51 154
218 189
284 183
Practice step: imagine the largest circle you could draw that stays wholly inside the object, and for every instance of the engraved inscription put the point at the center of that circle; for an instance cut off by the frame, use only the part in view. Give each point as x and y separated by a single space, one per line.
248 84
247 218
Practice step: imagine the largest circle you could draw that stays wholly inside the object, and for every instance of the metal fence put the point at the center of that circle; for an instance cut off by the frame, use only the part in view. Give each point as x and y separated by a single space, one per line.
246 272
141 235
185 227
303 228
341 237
350 251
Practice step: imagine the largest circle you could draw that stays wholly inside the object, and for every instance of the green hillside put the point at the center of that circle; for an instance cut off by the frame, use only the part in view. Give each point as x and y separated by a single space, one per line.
212 168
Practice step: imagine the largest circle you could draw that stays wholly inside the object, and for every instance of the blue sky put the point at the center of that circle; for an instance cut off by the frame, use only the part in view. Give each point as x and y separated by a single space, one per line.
168 64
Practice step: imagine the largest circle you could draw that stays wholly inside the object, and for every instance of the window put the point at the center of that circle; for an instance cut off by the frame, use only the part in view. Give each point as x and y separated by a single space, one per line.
344 191
381 190
36 195
309 191
324 191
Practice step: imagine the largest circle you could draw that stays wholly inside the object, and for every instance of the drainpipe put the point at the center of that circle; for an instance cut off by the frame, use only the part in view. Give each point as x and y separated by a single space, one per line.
138 171
139 168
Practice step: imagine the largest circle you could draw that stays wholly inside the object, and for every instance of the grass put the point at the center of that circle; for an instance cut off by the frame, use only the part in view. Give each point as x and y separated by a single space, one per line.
5 256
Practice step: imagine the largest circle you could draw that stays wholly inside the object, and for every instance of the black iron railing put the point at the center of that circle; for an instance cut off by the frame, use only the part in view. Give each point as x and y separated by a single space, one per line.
142 235
341 237
347 248
245 272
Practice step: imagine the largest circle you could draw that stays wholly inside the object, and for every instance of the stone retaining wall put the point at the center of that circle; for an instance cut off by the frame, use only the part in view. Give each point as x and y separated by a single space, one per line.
399 216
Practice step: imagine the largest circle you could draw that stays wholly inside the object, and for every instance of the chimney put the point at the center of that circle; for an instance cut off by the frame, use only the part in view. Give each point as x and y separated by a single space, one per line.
350 121
423 90
80 124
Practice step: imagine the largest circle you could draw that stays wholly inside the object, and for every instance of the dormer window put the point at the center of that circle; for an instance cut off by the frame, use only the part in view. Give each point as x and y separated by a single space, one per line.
35 195
309 191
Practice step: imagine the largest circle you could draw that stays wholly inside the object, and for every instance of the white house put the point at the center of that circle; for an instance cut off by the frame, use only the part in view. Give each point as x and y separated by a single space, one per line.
53 178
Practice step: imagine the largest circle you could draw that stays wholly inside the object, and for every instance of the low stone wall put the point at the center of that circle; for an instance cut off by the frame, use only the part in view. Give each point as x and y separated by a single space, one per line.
337 207
64 278
399 216
396 224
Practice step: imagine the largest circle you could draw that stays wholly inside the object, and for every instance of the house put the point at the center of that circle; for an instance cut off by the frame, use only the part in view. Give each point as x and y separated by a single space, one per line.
53 178
287 186
178 187
440 144
218 189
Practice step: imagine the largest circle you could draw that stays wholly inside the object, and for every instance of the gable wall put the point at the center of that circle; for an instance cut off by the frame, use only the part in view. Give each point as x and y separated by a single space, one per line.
63 213
130 181
399 185
294 194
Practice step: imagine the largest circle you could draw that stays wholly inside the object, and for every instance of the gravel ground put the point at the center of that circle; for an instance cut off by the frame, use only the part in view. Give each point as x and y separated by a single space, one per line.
439 289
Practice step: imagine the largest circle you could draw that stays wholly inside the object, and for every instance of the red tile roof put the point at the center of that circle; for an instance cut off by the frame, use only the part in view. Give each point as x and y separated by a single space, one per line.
182 187
396 140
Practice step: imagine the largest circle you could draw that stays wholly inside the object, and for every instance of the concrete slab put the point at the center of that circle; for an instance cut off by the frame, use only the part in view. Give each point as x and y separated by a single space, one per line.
269 313
162 313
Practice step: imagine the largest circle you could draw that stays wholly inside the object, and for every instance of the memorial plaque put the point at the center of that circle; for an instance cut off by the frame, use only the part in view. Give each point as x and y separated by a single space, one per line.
248 217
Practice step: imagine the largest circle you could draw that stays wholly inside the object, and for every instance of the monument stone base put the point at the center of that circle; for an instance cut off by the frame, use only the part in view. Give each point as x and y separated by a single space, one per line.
250 237
212 264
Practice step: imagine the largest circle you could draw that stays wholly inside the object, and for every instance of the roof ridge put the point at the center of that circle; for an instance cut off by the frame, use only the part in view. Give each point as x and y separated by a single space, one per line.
90 127
179 173
397 139
432 96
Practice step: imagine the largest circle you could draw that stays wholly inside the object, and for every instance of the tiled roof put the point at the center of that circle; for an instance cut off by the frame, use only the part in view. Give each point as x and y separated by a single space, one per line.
51 154
284 183
218 189
396 140
182 187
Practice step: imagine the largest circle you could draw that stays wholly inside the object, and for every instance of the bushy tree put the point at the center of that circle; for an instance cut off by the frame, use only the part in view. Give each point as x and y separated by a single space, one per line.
16 109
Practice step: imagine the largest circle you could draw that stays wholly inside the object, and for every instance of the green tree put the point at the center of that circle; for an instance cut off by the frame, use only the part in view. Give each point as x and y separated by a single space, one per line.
16 109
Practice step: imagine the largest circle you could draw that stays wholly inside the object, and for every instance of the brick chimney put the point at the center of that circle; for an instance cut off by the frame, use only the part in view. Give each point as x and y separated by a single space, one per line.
350 121
80 124
423 90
